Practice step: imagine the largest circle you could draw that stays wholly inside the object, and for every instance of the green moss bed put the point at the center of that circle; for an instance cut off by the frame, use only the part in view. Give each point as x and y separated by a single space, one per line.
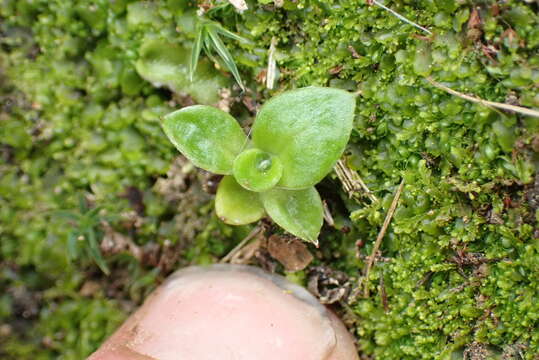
96 207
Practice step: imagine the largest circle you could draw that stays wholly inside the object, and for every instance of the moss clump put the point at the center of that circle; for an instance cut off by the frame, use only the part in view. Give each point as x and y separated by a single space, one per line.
463 246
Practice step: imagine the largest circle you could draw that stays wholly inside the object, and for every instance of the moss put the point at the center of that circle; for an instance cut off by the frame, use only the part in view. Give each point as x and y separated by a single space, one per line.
463 246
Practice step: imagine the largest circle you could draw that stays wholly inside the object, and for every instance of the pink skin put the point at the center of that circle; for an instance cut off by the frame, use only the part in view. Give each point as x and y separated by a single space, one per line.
229 312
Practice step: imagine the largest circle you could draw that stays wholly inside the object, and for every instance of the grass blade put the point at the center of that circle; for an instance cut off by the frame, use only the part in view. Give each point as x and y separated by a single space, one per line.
229 34
64 214
72 249
195 53
223 52
95 252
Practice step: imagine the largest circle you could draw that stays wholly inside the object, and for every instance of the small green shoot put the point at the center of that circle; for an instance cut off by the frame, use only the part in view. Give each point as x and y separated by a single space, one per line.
297 138
208 38
83 238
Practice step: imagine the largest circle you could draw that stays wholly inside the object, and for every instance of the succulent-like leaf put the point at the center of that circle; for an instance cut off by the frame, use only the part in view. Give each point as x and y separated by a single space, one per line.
299 212
236 205
257 170
307 129
207 136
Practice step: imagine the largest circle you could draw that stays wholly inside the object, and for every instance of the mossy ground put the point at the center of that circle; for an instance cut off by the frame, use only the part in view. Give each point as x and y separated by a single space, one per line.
459 276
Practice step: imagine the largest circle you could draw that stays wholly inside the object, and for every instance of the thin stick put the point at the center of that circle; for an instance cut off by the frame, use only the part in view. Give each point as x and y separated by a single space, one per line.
401 17
242 243
518 109
381 234
351 180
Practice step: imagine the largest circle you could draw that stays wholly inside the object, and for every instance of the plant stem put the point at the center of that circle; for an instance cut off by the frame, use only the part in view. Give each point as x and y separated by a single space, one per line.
380 236
518 109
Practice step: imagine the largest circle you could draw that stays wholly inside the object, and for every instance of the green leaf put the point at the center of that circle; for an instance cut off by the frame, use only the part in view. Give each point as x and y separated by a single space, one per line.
221 30
299 212
257 170
195 53
223 52
236 205
67 215
95 252
168 64
72 248
207 136
308 130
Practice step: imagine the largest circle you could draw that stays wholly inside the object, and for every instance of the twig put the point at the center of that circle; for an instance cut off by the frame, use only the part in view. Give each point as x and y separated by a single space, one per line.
242 243
518 109
383 294
401 17
381 234
352 182
327 214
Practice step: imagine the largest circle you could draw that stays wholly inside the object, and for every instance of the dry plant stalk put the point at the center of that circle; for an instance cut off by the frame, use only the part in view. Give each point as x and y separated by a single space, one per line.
232 254
272 65
399 16
352 182
518 109
380 236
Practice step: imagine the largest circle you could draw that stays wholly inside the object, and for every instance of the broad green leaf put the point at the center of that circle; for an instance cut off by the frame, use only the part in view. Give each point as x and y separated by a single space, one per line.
308 130
299 212
236 205
257 170
207 136
166 64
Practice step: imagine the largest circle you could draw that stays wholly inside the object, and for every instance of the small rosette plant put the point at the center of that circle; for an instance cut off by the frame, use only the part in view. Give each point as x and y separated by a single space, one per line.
296 139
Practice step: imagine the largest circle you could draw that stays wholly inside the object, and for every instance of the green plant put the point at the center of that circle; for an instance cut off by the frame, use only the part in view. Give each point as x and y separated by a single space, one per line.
208 38
296 139
83 238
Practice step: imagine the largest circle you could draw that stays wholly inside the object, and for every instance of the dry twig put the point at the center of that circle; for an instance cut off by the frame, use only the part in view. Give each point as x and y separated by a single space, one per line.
514 108
242 243
380 236
400 16
352 182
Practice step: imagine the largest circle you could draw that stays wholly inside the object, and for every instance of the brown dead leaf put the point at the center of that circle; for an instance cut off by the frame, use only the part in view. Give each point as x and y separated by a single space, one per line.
328 285
261 76
512 37
474 26
475 20
495 9
335 70
354 53
289 251
89 288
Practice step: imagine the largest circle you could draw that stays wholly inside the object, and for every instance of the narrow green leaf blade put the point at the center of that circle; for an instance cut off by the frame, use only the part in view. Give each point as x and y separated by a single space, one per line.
67 215
72 248
299 212
307 129
223 52
207 136
95 252
195 53
236 205
228 33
